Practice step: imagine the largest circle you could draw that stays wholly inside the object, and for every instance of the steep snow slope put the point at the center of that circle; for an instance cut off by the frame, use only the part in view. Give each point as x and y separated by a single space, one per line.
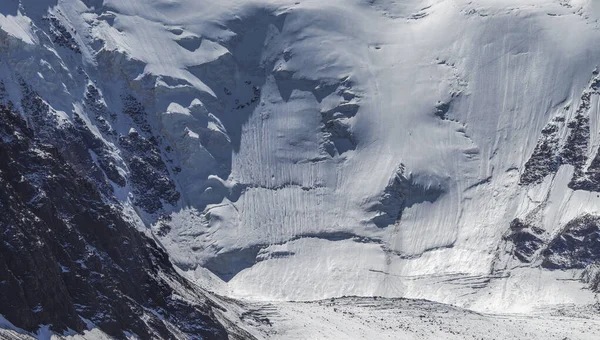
433 110
304 150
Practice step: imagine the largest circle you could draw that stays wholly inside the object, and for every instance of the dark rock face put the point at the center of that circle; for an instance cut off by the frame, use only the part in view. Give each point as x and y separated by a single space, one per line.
576 246
548 155
75 142
97 108
401 193
60 35
545 159
150 177
149 174
337 133
442 109
591 276
525 239
66 254
575 149
589 179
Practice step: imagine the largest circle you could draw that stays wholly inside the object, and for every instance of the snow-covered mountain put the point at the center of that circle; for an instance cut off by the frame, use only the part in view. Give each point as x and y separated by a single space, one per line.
300 150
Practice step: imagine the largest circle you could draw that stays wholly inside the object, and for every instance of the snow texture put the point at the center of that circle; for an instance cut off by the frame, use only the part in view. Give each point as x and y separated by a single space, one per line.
304 150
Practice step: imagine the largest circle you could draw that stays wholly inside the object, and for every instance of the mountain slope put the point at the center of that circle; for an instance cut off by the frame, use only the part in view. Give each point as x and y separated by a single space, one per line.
69 259
282 150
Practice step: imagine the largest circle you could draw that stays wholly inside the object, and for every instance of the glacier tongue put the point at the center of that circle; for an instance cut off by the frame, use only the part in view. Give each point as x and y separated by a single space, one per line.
309 150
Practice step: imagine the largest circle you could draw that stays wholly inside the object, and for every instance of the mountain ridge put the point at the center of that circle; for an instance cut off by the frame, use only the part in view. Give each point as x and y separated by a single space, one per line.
298 151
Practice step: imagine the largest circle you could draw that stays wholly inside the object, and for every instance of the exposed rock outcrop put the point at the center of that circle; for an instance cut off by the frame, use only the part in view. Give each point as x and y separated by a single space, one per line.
401 193
67 256
576 246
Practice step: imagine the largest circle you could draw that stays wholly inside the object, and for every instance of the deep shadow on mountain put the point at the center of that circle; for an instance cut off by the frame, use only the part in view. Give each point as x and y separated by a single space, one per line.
237 77
66 254
34 9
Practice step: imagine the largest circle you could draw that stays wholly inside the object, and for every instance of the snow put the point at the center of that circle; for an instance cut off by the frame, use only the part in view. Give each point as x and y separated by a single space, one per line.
506 97
9 332
261 194
18 26
368 318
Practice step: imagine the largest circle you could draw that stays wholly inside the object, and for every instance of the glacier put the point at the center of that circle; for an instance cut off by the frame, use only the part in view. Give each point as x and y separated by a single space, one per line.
306 150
